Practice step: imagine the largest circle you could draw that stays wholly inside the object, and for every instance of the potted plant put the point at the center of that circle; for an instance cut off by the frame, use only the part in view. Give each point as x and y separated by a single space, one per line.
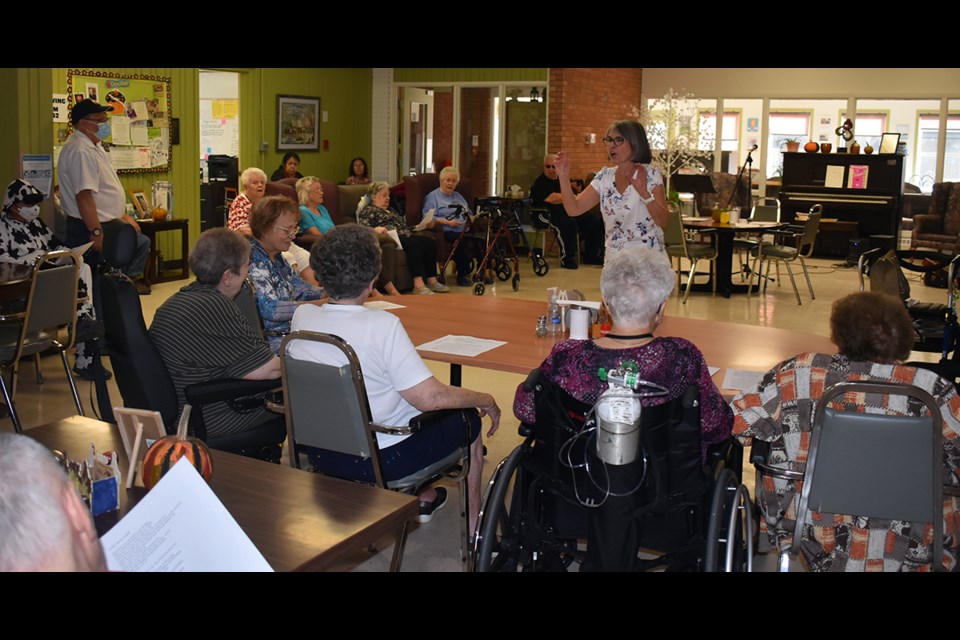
792 144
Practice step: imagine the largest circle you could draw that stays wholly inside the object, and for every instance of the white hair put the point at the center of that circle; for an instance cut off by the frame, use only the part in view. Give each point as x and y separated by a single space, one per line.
635 282
250 172
33 523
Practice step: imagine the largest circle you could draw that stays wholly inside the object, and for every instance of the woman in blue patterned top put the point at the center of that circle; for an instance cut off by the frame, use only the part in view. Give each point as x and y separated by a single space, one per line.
631 194
279 288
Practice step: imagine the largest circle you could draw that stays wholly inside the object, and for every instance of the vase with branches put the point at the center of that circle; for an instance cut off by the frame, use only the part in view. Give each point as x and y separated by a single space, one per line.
671 126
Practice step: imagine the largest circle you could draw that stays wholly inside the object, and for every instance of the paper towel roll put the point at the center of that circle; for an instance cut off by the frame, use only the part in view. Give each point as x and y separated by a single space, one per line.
579 324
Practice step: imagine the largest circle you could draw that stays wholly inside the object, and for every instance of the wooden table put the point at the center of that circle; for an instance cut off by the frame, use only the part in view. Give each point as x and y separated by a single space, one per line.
298 520
724 262
150 229
724 344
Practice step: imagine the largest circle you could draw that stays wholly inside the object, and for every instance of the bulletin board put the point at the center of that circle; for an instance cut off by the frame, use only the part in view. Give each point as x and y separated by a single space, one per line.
140 139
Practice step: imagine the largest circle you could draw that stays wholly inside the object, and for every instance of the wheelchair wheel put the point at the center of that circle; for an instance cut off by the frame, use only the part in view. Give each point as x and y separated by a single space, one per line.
516 282
478 289
498 529
730 530
540 266
503 270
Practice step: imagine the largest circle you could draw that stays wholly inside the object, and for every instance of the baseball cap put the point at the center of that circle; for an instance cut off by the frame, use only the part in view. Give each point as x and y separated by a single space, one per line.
86 108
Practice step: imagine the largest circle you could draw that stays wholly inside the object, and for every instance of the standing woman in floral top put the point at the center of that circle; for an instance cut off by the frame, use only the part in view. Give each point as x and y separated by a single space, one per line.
631 194
280 289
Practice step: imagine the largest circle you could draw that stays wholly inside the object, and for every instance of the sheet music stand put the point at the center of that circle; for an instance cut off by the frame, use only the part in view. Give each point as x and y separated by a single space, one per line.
695 183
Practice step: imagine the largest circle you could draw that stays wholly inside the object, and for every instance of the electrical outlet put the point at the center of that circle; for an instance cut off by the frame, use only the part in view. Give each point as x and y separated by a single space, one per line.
264 146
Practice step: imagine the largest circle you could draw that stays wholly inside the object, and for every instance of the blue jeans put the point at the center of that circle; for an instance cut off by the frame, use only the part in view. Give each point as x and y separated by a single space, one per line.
412 454
78 234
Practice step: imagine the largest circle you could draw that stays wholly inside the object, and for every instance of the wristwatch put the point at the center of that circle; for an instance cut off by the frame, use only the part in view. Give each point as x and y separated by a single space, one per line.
96 232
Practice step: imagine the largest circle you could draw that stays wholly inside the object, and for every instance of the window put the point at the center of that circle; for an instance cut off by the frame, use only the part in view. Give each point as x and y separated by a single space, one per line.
928 134
868 128
783 126
707 132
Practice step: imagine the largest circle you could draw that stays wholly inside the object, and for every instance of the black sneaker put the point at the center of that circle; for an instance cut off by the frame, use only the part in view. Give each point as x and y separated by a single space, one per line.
427 509
464 281
87 373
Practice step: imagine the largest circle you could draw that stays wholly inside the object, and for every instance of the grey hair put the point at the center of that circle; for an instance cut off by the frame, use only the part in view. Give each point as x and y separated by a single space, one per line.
635 282
346 259
33 524
303 188
218 250
250 172
375 187
447 170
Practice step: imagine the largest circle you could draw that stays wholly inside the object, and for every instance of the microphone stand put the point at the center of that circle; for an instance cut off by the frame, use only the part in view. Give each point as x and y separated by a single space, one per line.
749 161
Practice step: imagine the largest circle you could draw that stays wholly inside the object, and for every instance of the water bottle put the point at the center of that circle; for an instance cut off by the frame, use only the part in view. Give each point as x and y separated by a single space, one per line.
553 312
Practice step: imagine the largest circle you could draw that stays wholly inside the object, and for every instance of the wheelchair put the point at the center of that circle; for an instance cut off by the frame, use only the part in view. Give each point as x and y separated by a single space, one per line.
552 505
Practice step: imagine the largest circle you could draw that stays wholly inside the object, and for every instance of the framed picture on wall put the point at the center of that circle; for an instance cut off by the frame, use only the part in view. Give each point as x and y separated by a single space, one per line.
298 123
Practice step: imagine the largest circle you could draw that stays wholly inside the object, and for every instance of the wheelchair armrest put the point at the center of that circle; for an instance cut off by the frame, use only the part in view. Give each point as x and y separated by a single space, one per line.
533 378
759 451
273 400
227 389
429 418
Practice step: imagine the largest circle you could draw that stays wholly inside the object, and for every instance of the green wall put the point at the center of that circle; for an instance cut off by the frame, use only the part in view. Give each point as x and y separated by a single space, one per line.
491 74
345 94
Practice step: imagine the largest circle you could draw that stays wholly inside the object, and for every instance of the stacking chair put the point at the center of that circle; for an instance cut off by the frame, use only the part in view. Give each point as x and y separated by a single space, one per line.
871 465
679 246
326 407
742 244
51 307
797 243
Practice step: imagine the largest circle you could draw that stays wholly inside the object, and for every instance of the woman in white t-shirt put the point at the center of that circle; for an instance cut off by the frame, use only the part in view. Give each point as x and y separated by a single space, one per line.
631 194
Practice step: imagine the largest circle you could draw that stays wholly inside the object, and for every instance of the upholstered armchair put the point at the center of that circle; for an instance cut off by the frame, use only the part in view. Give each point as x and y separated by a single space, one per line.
416 190
939 228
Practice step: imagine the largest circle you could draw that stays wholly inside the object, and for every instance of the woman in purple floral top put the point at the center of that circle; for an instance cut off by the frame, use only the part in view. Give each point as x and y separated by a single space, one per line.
635 285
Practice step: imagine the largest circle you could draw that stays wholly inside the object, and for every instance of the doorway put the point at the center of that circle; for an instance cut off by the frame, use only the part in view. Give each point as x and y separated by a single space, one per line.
219 144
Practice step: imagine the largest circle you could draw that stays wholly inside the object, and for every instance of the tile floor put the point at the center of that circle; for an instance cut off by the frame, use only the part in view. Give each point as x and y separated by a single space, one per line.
433 547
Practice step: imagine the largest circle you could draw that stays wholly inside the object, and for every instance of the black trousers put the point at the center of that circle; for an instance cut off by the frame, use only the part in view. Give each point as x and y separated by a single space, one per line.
421 256
566 228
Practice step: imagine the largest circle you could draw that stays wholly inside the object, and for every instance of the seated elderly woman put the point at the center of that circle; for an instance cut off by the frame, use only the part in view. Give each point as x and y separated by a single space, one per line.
315 220
450 212
24 238
375 212
253 184
634 285
399 384
202 335
874 334
288 167
280 290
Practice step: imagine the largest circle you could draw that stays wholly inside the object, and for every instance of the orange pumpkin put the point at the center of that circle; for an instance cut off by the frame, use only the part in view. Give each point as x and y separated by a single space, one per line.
165 453
159 214
811 147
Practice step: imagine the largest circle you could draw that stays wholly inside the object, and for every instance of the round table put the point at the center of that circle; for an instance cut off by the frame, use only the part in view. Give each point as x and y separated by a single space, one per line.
724 262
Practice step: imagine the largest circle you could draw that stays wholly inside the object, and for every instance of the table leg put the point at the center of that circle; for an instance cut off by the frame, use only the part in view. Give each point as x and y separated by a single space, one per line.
456 375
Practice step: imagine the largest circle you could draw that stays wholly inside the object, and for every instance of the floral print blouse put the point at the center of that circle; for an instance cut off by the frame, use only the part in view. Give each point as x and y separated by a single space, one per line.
625 216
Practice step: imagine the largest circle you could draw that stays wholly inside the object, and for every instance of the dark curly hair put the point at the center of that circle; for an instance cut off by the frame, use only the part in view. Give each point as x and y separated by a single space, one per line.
346 259
872 327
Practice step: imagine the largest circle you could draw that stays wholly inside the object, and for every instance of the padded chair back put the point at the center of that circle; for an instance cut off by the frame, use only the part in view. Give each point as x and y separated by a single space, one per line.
247 301
286 187
673 232
141 375
419 187
876 465
766 213
810 229
326 405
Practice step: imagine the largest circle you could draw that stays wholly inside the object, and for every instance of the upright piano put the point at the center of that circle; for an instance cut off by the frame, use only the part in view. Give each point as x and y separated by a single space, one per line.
869 193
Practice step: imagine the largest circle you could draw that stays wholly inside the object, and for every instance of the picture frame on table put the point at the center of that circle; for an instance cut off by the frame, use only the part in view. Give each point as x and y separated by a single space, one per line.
298 123
139 429
140 202
889 142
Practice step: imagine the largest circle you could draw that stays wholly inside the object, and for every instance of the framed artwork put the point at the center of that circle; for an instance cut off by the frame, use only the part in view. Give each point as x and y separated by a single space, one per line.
889 142
139 429
298 123
140 202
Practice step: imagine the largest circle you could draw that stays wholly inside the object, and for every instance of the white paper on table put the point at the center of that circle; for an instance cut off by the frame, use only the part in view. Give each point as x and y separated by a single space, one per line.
427 219
461 345
713 370
396 237
180 525
742 379
383 305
